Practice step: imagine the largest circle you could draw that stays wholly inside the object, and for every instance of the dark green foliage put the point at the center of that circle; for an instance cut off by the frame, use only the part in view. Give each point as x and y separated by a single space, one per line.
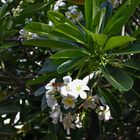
78 48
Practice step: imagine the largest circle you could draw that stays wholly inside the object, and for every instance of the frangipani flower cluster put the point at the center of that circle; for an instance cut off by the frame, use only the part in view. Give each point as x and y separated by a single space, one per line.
64 99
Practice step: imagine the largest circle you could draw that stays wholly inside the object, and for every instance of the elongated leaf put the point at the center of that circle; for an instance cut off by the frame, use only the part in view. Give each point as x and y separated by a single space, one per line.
3 10
124 12
7 131
44 103
77 2
69 65
72 53
100 39
91 9
7 34
33 8
108 12
40 91
133 72
132 49
28 11
41 79
48 67
101 21
71 32
48 43
119 79
111 101
117 41
58 18
9 109
134 64
37 27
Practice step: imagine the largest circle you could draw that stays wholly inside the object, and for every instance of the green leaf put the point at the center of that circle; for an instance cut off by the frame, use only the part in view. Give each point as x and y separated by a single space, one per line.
3 10
44 103
6 34
131 49
32 9
28 11
91 10
57 18
71 32
133 72
108 13
109 99
134 64
118 41
100 39
48 66
124 12
116 77
7 131
69 65
70 53
9 109
49 43
40 91
41 79
40 28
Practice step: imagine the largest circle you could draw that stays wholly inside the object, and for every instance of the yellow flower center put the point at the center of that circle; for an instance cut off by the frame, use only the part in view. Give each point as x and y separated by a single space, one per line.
89 98
78 88
68 101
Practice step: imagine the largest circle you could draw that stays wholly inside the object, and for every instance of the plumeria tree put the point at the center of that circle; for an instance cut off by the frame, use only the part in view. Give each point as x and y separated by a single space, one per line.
69 69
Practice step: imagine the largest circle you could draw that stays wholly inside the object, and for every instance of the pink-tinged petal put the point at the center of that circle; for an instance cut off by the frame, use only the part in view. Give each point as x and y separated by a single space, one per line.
83 95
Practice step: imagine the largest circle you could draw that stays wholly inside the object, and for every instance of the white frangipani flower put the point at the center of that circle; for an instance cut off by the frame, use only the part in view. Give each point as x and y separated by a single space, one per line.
88 78
74 14
68 122
4 1
67 79
91 102
56 115
27 35
104 113
78 88
53 87
64 90
51 101
58 4
68 102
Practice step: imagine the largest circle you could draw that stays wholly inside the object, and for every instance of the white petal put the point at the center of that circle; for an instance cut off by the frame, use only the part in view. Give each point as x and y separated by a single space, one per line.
73 94
53 80
107 116
85 87
50 91
52 102
83 95
67 79
62 4
66 106
64 91
48 86
56 8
